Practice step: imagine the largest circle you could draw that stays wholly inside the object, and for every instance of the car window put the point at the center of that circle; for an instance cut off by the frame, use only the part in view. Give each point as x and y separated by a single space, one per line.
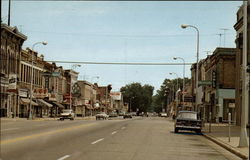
188 115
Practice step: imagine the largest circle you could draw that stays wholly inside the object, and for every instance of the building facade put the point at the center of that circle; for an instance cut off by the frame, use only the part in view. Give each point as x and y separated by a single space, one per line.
239 55
11 44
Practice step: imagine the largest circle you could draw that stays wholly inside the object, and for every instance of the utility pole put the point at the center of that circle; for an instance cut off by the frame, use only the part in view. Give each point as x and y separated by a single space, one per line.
220 34
244 111
224 29
9 12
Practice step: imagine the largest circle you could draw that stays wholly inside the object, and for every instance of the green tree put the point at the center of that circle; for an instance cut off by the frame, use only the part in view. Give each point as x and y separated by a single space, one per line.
166 93
138 96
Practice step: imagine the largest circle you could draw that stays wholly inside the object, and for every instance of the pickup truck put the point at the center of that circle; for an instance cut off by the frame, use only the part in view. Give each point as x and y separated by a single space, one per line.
67 114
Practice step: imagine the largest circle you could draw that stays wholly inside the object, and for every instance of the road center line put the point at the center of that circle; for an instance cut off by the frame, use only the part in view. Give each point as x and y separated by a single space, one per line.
9 129
14 140
114 132
64 157
99 140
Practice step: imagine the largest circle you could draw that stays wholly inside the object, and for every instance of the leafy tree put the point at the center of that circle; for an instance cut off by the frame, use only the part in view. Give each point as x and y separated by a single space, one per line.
138 96
166 93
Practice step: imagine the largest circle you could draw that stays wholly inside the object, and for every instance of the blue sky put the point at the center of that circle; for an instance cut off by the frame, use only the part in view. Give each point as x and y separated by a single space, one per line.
117 31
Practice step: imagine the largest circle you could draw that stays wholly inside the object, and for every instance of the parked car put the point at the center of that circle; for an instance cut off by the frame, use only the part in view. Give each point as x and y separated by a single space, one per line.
163 114
127 115
101 115
67 114
121 113
133 113
188 120
113 114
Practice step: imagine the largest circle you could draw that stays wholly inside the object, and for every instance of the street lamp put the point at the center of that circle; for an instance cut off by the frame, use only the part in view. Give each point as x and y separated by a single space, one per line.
32 72
70 90
175 58
197 61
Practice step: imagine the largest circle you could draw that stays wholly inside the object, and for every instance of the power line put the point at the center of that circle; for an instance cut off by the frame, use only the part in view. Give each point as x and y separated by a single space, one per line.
118 63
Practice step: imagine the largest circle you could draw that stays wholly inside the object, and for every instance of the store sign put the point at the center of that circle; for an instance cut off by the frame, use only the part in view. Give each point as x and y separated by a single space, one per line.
12 83
40 93
231 105
52 97
116 95
23 93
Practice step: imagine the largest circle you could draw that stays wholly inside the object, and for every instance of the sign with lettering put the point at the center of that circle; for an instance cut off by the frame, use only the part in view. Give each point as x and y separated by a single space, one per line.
116 95
40 93
12 82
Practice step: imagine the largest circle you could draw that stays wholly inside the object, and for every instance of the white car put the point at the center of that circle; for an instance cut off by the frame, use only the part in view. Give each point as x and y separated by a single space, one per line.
163 114
67 114
101 115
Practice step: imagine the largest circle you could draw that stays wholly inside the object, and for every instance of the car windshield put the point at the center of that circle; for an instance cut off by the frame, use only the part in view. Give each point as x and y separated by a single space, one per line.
188 115
66 111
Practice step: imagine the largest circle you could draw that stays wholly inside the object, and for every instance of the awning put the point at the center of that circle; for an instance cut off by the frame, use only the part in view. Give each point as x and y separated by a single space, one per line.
58 104
44 103
26 101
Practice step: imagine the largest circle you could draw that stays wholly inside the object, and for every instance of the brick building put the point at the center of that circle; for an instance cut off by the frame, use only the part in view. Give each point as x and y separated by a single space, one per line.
11 44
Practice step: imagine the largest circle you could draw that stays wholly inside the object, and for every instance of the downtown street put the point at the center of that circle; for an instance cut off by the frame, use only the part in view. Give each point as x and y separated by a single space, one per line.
140 138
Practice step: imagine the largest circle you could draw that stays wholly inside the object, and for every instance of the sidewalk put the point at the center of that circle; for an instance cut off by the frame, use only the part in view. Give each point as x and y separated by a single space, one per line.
219 134
43 119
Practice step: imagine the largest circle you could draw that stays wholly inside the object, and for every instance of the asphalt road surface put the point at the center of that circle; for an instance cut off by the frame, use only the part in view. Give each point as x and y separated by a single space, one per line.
149 138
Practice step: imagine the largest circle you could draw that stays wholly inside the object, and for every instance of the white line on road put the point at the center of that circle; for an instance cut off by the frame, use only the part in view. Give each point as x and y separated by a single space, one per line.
114 132
123 127
99 140
64 157
9 129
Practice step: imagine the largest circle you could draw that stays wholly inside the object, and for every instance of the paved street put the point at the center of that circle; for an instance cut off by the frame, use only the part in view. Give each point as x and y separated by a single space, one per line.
149 138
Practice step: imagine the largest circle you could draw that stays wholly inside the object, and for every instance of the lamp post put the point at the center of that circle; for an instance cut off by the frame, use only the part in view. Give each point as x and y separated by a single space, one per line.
175 58
197 61
70 90
31 79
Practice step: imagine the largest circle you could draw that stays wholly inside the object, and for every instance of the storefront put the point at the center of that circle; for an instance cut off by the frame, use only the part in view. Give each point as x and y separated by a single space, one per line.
45 107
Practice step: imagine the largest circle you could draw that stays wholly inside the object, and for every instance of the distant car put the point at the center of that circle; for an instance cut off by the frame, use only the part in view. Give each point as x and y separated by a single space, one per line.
67 114
133 113
163 114
127 115
188 120
101 115
121 113
113 114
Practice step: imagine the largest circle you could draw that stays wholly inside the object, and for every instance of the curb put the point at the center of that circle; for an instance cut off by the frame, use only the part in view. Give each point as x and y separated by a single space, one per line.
227 147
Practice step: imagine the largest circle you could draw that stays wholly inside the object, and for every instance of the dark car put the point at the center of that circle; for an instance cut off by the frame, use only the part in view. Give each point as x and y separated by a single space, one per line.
127 115
188 120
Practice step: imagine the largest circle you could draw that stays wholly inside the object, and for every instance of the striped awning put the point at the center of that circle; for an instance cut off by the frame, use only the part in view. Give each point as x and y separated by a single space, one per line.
59 105
44 103
26 101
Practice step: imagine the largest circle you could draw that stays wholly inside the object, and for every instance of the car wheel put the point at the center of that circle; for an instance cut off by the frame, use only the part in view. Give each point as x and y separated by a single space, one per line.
176 130
198 131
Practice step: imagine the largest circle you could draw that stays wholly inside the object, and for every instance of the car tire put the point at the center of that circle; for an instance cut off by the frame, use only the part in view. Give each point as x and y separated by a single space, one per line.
176 130
198 131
